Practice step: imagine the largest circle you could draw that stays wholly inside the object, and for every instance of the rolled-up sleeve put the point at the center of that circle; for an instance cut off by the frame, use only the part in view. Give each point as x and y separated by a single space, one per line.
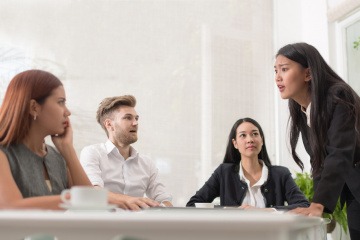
90 159
156 189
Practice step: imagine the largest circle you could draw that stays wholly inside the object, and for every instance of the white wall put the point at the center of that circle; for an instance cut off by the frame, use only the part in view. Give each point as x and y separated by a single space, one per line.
297 21
194 66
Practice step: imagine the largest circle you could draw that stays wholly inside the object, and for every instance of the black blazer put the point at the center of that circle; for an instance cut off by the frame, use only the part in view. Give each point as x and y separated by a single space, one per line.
341 163
225 182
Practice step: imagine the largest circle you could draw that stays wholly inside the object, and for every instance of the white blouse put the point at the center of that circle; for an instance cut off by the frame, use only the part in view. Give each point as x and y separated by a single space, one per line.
307 113
253 196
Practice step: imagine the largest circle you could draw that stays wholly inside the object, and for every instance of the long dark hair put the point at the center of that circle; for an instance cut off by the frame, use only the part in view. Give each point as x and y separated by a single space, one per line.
326 89
232 154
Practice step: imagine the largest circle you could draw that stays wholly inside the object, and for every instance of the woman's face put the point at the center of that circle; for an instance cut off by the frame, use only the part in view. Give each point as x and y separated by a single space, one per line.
248 140
292 79
53 114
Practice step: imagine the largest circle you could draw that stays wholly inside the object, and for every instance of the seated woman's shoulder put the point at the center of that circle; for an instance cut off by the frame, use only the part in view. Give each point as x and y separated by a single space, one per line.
280 169
227 166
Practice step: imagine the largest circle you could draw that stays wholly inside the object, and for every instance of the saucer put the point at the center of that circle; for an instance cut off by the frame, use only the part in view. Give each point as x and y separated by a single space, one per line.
87 208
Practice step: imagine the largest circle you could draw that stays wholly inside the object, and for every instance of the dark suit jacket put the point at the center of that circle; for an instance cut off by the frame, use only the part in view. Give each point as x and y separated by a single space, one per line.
341 163
225 182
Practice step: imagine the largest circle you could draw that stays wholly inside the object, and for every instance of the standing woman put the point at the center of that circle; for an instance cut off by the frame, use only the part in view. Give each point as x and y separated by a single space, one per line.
326 111
32 173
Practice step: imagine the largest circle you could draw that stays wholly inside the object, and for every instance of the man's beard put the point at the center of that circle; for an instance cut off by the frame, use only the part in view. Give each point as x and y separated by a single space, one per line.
126 139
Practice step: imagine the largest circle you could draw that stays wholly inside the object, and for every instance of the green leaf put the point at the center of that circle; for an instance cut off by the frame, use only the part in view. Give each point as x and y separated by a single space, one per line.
357 44
305 183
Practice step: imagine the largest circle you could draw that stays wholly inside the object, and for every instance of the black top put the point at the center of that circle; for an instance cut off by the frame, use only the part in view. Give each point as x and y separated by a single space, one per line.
225 182
341 163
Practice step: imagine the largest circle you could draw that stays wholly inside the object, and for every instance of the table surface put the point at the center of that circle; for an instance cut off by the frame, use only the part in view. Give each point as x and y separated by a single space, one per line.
156 224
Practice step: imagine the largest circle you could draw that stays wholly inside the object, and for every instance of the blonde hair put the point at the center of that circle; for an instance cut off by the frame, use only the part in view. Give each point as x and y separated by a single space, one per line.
108 105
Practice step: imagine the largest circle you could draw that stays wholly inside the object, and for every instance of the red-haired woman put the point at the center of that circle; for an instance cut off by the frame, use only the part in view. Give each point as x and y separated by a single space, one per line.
32 173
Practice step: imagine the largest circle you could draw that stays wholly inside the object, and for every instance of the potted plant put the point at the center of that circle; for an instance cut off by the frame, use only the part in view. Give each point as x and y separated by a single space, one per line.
357 44
305 183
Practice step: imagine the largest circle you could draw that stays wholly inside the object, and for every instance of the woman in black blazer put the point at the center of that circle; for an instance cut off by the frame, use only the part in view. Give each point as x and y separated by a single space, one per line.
326 111
247 178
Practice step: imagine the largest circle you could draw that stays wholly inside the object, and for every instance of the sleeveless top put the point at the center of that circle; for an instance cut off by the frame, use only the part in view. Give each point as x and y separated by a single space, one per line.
27 169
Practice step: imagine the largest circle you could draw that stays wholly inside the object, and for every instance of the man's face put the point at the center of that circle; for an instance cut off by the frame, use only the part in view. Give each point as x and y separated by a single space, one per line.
124 126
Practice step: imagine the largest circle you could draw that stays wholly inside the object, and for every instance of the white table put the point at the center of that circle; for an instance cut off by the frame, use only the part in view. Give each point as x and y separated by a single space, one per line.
173 224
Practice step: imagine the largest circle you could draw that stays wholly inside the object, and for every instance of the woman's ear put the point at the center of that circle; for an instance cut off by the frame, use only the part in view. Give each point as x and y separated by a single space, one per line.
34 109
235 143
307 75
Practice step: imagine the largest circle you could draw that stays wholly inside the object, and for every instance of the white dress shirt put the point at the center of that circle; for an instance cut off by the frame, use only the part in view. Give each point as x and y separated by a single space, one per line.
253 195
135 176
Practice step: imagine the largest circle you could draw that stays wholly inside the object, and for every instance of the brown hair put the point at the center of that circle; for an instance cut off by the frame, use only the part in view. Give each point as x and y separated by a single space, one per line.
15 115
109 105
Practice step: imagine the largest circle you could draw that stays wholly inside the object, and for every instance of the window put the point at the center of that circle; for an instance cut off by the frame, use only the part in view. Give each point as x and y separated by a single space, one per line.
348 57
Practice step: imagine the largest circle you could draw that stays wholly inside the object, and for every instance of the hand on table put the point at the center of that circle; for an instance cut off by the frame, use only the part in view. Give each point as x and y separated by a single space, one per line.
249 207
315 210
131 203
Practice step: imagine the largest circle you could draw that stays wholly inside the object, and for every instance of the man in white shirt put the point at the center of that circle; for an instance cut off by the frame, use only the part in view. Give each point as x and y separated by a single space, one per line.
116 165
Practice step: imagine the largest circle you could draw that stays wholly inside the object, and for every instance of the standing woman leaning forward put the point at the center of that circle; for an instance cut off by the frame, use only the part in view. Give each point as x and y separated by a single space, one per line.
326 111
33 174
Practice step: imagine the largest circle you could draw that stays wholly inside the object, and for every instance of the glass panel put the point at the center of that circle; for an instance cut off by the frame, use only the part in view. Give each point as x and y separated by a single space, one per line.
353 55
12 61
154 50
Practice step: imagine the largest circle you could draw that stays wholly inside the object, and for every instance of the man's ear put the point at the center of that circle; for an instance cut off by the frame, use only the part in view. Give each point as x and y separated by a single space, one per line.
307 75
108 125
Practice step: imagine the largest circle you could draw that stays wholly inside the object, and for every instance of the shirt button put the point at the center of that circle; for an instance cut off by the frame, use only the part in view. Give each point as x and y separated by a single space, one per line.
266 190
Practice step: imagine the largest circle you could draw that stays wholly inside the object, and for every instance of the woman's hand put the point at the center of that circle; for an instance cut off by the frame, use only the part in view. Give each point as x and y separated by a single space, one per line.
64 142
166 204
315 210
249 207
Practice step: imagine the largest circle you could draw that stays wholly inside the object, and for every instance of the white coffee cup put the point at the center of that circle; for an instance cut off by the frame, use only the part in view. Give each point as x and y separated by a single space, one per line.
85 196
204 205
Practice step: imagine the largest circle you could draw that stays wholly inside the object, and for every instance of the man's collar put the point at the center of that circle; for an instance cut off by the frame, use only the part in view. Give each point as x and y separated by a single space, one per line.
111 147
